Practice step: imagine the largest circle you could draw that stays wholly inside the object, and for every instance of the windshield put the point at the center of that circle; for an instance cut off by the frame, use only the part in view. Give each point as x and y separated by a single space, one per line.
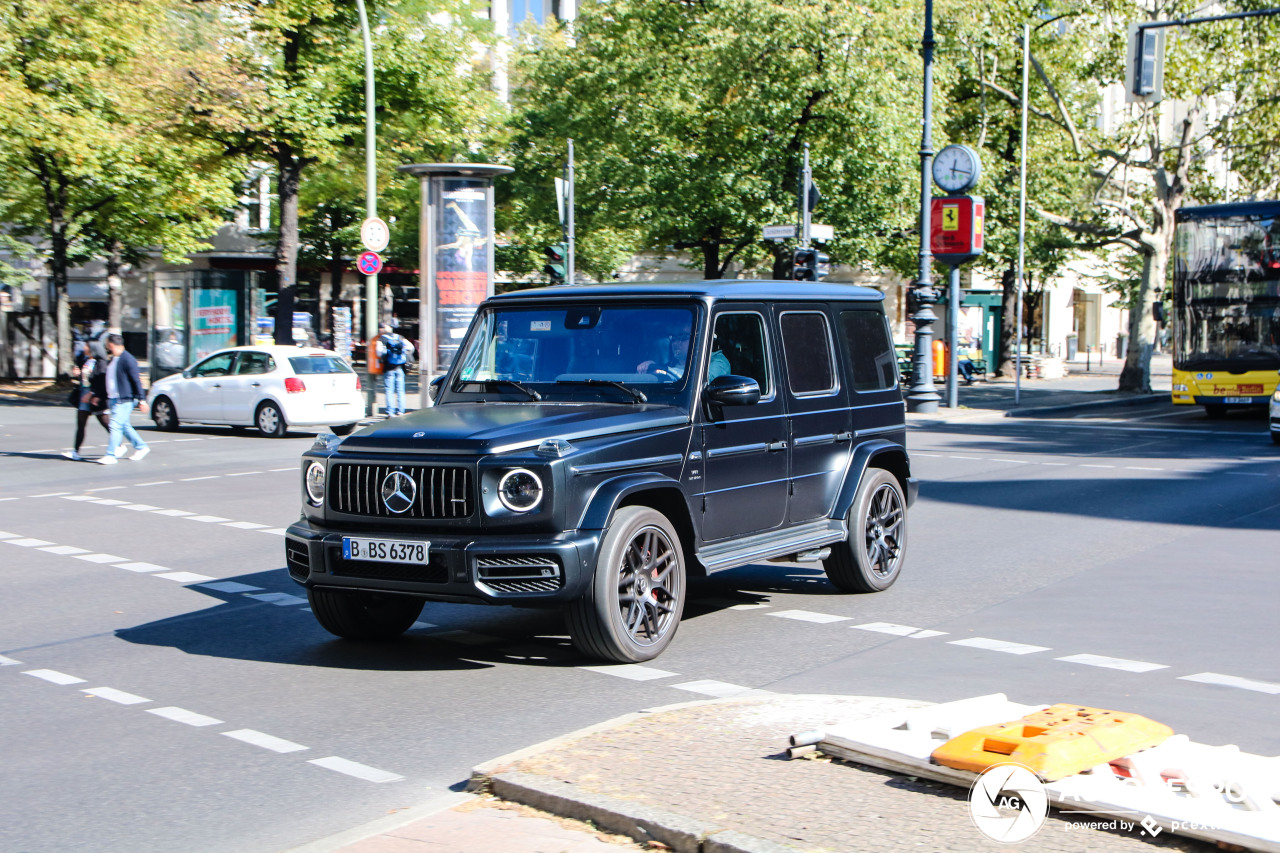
1227 293
579 348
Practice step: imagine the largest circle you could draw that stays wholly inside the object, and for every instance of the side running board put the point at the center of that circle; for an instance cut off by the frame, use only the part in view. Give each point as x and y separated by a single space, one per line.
771 544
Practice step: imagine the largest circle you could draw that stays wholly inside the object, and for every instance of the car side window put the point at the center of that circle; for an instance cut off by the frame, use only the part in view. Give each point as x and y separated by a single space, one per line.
739 348
218 365
871 355
806 344
251 363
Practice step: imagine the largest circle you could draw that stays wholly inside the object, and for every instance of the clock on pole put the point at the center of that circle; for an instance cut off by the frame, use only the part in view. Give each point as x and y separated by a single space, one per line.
957 169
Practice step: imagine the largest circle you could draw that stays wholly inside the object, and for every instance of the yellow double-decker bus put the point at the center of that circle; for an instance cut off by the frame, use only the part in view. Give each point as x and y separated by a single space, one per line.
1226 305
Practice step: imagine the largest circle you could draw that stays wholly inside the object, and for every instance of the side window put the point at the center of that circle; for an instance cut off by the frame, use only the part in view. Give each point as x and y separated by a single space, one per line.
218 365
806 343
870 350
254 363
739 348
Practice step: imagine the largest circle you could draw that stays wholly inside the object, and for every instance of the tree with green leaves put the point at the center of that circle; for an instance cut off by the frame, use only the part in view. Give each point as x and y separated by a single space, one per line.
690 120
303 107
93 160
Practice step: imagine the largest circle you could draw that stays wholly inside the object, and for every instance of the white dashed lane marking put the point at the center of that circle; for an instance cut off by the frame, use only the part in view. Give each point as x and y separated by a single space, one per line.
4 661
113 695
351 768
999 646
230 586
182 715
184 577
28 543
1113 663
720 689
142 567
899 630
102 558
1233 681
630 671
52 675
64 550
275 744
807 616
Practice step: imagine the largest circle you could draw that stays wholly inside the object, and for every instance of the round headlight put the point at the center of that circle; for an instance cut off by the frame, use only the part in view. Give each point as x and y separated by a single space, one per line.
315 483
520 490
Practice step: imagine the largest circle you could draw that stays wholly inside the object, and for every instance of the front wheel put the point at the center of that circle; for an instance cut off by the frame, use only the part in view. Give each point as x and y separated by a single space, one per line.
363 615
632 608
872 556
344 429
164 415
270 421
1275 437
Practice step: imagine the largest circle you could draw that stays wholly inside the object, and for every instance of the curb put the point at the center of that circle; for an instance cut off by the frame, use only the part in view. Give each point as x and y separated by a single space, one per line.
1134 400
634 820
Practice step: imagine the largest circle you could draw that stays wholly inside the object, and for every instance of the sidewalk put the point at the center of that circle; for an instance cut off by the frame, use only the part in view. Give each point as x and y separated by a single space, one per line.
713 777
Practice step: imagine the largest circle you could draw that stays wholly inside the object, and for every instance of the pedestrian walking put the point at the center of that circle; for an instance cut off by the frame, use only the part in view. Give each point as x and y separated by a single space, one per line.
91 371
394 352
124 393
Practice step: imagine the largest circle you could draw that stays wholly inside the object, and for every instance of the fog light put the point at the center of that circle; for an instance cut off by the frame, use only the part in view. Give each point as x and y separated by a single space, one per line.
520 490
315 483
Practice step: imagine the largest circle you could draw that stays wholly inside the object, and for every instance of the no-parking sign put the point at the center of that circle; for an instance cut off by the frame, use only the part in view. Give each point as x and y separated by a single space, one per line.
369 263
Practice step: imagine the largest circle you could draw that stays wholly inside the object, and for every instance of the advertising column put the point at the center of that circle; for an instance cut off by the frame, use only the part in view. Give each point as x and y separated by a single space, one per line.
455 258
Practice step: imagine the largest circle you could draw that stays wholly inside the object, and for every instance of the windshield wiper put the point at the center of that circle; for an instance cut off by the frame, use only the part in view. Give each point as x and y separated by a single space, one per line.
519 386
636 394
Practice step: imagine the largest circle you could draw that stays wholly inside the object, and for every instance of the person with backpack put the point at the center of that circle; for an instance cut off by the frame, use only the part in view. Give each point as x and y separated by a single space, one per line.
394 352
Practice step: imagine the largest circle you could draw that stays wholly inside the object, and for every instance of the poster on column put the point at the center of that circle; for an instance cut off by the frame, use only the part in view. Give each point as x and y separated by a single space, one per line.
213 321
461 263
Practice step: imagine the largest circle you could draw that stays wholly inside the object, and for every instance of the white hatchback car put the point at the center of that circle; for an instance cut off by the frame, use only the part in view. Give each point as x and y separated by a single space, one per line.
268 387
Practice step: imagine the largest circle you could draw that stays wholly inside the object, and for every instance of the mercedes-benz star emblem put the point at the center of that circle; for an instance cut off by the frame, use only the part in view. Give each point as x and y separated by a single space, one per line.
398 492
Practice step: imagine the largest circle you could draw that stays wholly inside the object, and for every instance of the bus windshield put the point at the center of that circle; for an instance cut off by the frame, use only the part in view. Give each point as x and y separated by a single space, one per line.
1227 288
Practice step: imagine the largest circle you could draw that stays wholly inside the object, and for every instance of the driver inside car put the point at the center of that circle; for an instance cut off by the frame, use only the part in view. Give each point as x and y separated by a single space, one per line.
673 365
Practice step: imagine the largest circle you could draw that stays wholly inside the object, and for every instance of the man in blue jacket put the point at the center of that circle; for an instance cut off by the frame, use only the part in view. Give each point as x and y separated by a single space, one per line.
124 392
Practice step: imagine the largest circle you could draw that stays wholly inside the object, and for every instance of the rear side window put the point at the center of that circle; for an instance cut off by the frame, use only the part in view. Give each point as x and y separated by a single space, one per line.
307 364
870 350
806 343
254 362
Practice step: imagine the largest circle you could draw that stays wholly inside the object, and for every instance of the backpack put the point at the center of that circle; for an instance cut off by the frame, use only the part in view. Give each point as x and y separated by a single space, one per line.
394 355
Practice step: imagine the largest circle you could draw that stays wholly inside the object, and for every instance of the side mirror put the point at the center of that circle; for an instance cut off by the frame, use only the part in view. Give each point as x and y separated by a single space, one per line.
188 373
730 390
435 386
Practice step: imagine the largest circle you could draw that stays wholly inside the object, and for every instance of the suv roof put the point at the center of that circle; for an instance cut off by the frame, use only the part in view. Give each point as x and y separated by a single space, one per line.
747 289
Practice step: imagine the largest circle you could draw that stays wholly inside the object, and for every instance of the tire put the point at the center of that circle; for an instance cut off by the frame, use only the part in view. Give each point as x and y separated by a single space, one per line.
344 429
1215 410
270 421
1275 437
164 415
363 615
610 621
871 559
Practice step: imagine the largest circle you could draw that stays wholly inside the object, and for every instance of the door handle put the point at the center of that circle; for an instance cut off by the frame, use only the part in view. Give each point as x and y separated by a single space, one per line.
255 384
775 446
217 385
844 436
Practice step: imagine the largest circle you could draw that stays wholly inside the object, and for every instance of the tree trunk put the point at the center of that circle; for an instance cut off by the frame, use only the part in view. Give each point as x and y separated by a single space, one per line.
710 260
1008 324
115 287
1136 374
289 167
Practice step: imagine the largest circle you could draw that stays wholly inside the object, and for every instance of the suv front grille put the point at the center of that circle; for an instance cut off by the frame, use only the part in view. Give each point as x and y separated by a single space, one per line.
519 574
356 489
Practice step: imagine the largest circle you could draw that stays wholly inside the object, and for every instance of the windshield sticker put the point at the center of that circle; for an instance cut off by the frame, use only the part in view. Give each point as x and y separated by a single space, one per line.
540 326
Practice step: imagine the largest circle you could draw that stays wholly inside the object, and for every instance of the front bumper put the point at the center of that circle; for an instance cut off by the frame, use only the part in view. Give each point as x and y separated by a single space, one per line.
486 569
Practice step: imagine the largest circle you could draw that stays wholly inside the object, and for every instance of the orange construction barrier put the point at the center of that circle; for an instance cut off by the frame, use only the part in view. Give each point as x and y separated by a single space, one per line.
1060 741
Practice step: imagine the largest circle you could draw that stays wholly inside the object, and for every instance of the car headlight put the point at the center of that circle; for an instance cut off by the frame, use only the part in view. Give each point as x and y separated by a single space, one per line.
1275 398
520 490
1178 386
315 483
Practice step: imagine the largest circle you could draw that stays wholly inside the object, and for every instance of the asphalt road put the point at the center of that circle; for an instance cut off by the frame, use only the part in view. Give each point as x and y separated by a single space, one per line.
163 686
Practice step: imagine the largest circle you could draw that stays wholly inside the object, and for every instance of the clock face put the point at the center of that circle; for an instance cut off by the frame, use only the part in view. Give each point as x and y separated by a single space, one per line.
956 168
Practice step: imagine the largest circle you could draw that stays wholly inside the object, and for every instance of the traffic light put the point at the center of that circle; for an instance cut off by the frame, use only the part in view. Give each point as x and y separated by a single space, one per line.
554 269
810 265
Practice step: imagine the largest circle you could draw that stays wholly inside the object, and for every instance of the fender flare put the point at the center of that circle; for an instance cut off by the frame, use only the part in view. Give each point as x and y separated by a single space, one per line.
610 493
887 455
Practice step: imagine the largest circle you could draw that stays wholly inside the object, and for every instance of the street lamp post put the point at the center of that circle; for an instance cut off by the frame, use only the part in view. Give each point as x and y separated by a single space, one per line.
922 396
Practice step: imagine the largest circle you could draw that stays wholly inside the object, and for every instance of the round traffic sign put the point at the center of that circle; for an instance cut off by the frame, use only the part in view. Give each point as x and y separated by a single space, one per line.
369 263
375 234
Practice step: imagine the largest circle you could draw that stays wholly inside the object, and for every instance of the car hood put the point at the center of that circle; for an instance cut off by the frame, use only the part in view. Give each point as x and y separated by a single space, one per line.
504 427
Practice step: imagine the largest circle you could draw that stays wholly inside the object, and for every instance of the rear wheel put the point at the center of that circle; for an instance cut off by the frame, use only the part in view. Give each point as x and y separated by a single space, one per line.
1275 436
632 608
363 615
164 415
270 421
871 558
